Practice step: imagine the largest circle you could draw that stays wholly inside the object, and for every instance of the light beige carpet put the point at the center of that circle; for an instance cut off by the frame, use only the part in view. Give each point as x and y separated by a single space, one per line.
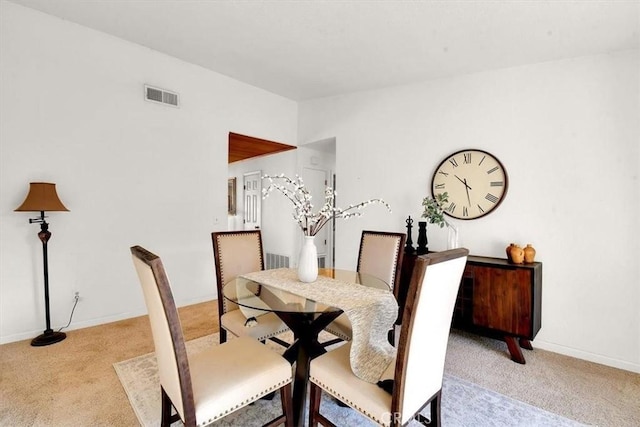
585 391
464 403
139 378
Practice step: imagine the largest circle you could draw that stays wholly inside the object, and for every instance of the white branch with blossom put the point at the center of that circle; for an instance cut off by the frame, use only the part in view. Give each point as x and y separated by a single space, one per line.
297 193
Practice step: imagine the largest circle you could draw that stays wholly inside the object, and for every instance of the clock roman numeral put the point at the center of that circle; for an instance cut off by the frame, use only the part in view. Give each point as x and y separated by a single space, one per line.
453 162
480 209
482 160
497 183
490 197
465 211
467 158
443 173
493 169
451 208
439 186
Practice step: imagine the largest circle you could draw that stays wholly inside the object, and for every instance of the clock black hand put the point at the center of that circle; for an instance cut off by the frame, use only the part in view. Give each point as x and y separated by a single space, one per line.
467 188
464 182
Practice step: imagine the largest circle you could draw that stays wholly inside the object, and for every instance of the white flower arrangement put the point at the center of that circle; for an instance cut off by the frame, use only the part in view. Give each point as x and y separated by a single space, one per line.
310 222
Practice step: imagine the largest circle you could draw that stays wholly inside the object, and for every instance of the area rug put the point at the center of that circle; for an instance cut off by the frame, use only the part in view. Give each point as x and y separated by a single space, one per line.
463 403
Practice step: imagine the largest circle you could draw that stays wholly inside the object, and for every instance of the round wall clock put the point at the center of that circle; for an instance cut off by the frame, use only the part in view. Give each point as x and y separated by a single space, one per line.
475 181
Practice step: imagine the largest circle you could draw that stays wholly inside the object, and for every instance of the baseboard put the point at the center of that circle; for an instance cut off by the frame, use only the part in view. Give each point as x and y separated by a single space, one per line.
100 320
585 355
191 301
75 325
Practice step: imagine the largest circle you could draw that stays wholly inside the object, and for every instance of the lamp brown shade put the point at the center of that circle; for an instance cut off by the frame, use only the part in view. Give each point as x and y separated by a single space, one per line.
42 197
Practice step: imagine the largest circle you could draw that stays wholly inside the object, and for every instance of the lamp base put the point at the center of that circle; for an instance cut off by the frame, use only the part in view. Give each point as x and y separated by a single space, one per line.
48 338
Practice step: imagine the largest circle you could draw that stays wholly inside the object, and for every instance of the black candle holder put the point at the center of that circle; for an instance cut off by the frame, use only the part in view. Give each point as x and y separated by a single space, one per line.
422 238
408 247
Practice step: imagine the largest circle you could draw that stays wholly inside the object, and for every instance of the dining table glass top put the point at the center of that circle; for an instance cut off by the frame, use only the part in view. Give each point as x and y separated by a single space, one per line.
253 295
308 308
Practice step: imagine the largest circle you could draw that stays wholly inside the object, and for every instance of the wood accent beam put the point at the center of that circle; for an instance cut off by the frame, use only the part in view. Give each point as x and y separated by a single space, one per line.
243 147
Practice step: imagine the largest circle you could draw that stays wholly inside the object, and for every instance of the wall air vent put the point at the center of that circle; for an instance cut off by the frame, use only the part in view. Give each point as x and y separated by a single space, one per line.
276 261
162 96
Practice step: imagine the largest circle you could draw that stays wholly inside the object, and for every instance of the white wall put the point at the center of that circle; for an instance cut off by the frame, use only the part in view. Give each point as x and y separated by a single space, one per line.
130 171
568 134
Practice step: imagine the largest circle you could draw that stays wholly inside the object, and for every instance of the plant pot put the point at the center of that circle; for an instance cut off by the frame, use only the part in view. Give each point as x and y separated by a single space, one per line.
453 239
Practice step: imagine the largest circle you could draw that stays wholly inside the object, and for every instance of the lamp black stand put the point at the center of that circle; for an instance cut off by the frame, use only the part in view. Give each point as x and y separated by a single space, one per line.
49 336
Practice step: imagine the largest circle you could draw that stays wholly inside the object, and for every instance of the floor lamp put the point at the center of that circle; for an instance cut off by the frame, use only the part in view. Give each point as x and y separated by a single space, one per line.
43 197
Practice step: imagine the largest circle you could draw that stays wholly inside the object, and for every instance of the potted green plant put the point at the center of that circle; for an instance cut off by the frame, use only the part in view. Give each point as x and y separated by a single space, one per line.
434 213
434 209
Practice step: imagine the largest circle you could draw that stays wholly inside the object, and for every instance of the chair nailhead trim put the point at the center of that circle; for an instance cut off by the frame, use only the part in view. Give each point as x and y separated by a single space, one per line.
395 260
338 334
244 403
262 337
347 401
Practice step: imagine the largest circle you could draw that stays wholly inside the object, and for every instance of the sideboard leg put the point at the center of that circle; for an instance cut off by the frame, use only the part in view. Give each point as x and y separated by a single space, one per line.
526 344
514 349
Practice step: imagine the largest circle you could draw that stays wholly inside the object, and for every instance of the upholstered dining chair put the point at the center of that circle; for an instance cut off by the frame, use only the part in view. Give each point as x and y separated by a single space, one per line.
209 385
236 253
380 255
415 379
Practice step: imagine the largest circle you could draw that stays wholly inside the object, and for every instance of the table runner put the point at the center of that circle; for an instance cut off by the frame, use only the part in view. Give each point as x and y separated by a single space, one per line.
372 313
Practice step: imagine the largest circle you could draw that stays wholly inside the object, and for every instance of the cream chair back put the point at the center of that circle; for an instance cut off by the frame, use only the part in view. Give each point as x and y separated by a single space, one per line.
165 326
235 253
381 255
425 332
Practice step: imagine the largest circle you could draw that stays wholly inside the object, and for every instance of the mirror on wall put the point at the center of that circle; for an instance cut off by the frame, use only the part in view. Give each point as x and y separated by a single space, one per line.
231 196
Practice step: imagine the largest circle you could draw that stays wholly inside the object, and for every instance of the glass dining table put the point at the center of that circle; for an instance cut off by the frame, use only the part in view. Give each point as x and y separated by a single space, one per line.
304 316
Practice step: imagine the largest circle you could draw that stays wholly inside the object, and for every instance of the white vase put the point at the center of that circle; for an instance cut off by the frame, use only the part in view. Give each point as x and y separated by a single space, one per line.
308 260
452 238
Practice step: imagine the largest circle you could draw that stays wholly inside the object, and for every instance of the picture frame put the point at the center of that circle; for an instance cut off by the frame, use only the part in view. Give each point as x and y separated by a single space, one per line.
231 196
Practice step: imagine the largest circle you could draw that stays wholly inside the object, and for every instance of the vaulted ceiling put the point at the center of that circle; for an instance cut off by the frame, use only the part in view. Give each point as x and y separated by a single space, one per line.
309 49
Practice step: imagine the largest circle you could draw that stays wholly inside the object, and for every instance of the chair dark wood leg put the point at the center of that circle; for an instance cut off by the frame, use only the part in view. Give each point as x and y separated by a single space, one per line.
223 336
166 410
315 417
315 393
287 408
435 410
434 413
167 419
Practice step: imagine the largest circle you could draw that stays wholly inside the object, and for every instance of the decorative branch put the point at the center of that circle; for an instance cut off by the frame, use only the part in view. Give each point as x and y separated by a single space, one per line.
311 223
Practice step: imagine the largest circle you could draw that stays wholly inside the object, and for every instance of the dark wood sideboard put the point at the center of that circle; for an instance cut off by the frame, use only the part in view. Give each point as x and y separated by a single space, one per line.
496 299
